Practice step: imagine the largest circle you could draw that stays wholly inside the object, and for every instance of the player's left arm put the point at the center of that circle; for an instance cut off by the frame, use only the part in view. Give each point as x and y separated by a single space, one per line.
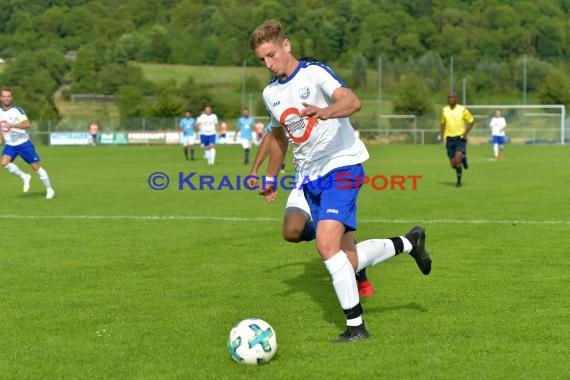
470 122
22 124
346 103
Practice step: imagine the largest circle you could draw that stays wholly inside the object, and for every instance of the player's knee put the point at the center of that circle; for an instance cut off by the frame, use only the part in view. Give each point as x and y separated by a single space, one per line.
292 234
327 248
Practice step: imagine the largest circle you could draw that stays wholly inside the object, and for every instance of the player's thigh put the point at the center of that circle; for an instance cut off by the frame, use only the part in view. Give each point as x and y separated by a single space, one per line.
338 201
28 153
246 144
450 146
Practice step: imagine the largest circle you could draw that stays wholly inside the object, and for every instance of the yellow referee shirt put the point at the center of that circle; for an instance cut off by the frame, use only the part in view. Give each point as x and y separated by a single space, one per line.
453 119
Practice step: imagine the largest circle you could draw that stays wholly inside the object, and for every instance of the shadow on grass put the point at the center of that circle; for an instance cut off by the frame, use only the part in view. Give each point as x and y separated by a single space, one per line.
316 283
447 183
33 194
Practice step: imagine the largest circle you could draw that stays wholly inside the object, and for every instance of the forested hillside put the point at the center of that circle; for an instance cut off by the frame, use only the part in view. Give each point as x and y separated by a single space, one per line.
487 40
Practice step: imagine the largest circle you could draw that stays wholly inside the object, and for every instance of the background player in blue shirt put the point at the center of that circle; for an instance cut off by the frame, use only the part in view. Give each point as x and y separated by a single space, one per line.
187 127
245 129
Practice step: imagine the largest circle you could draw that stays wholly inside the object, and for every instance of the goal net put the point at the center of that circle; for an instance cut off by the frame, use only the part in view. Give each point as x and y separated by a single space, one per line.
526 124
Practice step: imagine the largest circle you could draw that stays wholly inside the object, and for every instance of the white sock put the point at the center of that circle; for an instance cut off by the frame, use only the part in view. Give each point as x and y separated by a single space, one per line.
344 284
496 149
207 154
15 170
44 177
213 155
374 251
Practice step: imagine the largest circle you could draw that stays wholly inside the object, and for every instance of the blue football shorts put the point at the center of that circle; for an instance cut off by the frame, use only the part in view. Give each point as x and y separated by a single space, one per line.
25 150
333 196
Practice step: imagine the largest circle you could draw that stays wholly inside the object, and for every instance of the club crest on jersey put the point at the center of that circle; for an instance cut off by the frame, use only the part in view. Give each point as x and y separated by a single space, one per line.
304 93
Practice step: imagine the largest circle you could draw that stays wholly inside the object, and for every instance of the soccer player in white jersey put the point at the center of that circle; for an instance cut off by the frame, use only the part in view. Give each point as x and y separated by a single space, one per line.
498 125
14 123
208 125
297 223
310 105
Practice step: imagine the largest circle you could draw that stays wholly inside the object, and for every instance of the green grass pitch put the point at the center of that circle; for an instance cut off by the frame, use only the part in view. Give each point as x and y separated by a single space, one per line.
113 280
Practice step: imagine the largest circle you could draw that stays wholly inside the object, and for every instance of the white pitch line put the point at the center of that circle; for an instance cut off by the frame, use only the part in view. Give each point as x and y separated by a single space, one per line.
267 219
472 221
141 217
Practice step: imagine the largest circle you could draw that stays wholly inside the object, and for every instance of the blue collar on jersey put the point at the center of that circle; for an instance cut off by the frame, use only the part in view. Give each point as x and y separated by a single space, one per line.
301 65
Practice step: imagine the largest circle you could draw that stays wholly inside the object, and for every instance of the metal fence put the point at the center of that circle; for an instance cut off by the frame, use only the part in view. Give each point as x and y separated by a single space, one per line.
387 129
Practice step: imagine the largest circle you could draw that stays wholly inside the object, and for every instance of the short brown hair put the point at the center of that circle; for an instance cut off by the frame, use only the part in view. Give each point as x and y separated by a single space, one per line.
269 31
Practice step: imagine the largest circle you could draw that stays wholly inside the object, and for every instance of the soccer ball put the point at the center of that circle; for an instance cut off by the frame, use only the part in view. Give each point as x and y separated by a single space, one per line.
252 341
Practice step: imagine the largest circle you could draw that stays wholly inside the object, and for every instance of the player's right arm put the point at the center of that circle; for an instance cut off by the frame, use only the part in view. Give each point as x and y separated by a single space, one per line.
442 127
237 130
277 149
262 153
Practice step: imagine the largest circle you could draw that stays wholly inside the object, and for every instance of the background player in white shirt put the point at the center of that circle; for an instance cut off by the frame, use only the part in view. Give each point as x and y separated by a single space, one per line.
207 123
14 123
309 103
498 125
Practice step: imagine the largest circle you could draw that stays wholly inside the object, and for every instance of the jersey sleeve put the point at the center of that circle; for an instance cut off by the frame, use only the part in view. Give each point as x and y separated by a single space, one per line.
327 80
467 116
20 115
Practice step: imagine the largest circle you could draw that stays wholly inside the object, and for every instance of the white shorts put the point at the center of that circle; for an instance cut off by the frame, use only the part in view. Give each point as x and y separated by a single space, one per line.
297 201
188 140
245 143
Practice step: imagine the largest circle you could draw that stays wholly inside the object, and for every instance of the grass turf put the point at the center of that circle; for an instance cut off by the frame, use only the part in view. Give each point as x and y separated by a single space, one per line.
113 280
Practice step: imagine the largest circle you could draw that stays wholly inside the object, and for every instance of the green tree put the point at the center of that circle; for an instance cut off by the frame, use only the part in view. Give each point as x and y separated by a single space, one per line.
85 71
359 71
132 105
555 89
195 97
549 39
168 102
413 97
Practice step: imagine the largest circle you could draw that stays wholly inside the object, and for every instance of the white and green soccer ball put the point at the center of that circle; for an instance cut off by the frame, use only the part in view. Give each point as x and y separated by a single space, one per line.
252 341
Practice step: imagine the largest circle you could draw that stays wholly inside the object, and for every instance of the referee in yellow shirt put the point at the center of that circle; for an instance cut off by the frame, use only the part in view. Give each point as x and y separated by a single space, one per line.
453 131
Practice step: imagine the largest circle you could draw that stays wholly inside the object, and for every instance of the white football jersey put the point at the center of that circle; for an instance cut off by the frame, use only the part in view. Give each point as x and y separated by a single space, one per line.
207 124
320 145
14 115
498 125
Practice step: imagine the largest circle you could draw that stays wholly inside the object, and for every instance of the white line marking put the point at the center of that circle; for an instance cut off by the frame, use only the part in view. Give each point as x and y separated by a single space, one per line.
267 219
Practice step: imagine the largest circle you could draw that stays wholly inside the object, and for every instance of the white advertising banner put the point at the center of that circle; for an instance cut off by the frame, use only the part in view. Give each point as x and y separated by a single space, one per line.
69 138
